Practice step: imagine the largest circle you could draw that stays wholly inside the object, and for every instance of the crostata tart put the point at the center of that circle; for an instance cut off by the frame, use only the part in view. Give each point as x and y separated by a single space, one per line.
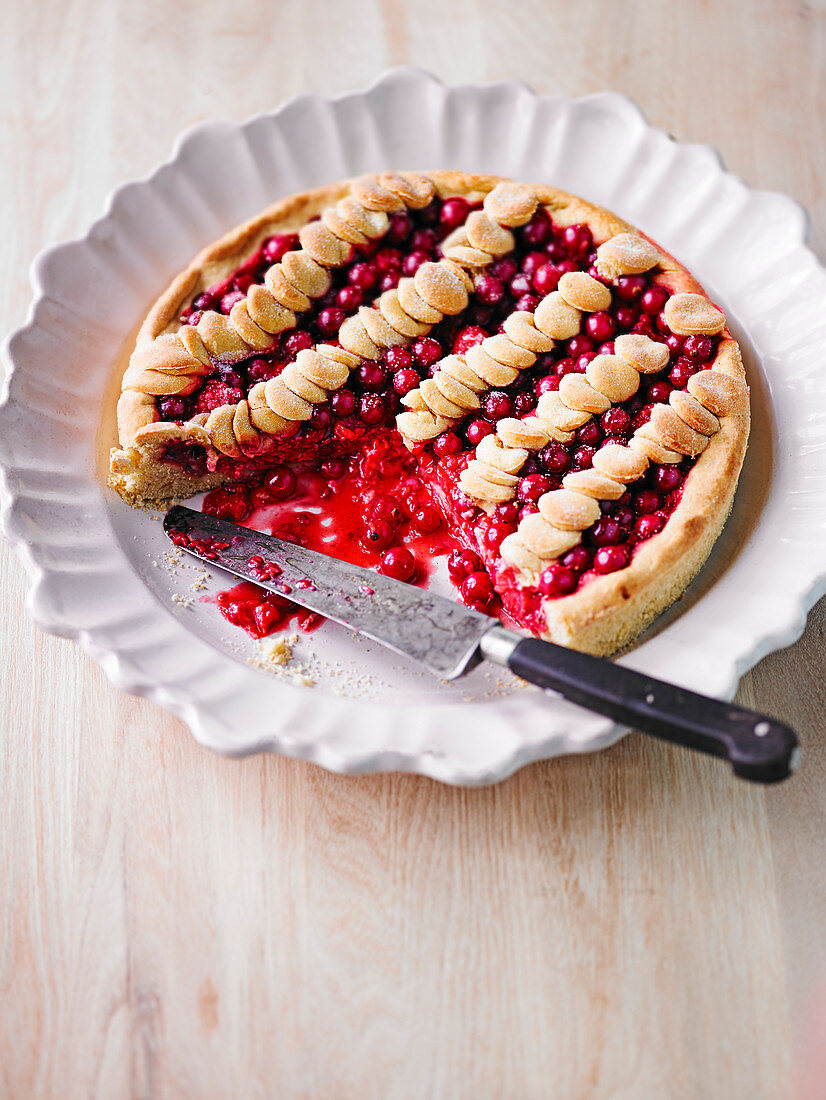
449 363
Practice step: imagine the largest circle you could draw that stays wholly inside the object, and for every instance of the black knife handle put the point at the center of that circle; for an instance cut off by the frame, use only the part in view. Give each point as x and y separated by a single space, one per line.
758 748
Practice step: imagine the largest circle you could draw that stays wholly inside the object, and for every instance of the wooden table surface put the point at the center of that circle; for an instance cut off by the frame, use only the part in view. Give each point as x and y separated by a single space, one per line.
631 924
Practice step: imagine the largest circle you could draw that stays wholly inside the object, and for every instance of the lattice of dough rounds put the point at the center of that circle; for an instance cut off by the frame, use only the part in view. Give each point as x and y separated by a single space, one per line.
681 427
399 316
456 385
608 380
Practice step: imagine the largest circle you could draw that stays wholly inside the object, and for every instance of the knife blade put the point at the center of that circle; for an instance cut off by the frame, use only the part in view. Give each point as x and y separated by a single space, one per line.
441 635
448 639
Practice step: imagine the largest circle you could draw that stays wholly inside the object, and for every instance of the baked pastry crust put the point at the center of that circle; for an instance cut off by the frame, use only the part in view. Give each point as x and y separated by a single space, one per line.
611 610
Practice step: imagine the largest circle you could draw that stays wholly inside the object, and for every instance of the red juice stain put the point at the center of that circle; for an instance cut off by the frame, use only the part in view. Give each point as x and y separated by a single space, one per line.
260 612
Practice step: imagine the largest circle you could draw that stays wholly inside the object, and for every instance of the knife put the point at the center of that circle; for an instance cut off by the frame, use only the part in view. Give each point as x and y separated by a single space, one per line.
448 639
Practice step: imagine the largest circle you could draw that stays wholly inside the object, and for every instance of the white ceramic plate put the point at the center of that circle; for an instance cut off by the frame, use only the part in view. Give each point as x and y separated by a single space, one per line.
98 569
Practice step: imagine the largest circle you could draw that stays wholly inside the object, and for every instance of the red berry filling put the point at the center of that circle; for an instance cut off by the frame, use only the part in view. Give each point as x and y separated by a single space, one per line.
372 510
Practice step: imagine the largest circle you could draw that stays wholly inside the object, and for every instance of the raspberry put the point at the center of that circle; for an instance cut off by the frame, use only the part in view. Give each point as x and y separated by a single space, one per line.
214 394
467 337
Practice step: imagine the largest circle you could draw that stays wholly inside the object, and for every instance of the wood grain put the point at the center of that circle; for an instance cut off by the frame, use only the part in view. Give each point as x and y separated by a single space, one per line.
632 924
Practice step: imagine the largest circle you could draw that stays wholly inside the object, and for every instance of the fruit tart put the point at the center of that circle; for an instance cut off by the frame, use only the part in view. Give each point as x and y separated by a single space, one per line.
557 386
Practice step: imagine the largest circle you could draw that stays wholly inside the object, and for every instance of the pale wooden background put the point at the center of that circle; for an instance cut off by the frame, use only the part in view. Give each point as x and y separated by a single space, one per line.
634 924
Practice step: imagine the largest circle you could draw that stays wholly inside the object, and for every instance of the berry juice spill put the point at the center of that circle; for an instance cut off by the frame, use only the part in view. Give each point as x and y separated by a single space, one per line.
371 510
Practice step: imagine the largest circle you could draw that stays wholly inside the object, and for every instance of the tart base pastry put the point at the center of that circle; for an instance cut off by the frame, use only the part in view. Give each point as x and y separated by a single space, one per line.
574 402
